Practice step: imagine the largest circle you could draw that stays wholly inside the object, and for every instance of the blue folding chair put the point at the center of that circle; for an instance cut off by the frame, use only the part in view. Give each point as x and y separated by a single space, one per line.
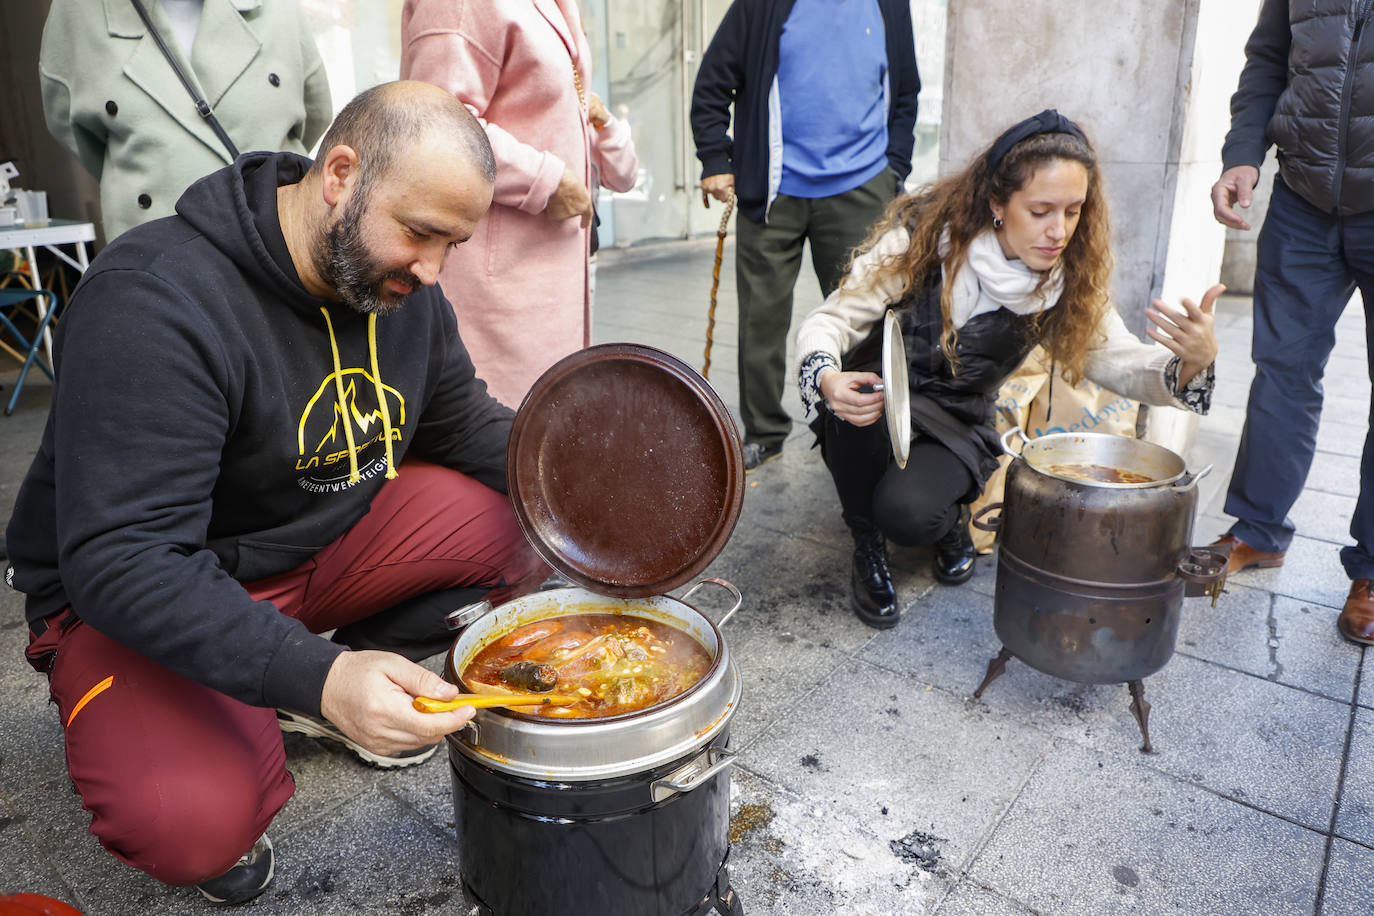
10 300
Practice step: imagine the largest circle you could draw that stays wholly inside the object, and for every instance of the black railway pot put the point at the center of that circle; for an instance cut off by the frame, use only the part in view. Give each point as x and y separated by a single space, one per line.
1092 572
530 847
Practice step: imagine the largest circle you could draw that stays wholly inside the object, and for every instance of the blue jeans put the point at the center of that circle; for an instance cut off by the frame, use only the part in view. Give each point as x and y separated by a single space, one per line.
1309 264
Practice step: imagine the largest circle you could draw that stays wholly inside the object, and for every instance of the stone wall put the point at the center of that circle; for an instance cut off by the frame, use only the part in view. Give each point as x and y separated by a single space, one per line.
1149 82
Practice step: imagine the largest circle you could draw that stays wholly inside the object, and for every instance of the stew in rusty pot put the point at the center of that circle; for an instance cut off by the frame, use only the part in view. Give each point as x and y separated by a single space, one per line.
617 663
1097 472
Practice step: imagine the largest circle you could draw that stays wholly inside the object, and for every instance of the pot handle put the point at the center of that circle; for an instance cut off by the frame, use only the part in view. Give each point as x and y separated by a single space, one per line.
992 524
692 776
1189 480
1006 440
1205 572
456 620
739 599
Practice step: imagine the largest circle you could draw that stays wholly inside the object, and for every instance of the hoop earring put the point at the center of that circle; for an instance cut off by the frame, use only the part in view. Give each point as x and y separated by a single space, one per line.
997 222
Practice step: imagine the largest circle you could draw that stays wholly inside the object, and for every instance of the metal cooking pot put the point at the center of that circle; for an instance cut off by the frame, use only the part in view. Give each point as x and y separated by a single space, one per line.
623 815
1091 575
598 748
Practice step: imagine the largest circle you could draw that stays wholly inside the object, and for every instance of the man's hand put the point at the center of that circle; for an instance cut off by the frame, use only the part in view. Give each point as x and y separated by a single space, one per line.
718 186
1188 333
368 694
841 392
1235 188
571 199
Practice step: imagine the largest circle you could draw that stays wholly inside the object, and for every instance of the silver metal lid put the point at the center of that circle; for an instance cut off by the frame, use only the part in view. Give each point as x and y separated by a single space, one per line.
896 391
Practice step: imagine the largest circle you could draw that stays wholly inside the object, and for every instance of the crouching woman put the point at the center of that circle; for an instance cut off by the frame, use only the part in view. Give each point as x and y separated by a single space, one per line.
1011 252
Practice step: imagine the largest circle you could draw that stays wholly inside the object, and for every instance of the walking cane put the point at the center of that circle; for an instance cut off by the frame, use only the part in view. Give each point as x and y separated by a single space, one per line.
715 274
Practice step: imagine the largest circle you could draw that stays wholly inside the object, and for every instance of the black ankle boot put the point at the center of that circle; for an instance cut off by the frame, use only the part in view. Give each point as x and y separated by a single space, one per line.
875 600
954 552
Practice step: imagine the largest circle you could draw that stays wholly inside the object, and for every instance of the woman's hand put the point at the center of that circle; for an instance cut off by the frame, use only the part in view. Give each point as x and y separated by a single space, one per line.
597 114
841 392
1188 333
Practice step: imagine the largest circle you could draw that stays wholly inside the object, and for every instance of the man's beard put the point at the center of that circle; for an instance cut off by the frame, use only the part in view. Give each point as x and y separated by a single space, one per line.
345 263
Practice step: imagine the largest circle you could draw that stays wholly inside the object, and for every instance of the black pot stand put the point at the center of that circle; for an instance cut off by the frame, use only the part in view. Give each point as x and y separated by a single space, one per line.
1139 708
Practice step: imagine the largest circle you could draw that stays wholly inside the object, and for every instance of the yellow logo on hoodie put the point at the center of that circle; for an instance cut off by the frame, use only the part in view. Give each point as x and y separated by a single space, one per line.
321 437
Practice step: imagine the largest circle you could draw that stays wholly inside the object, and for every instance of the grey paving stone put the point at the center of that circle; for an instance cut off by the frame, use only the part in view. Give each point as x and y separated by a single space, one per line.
374 855
1333 473
1349 878
1099 835
1324 516
25 869
1286 641
1345 436
1356 818
792 631
1245 738
969 899
938 766
791 855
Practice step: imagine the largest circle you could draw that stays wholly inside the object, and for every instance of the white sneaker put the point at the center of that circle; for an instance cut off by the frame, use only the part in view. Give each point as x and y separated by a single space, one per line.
312 727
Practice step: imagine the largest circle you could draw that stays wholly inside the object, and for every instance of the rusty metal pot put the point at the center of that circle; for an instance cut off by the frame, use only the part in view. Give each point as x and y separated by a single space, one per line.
1091 575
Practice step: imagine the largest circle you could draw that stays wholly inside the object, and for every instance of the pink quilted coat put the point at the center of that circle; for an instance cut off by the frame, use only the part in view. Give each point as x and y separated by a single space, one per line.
519 285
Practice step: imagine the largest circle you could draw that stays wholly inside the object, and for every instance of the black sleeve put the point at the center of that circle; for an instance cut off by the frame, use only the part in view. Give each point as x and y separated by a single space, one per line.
905 83
1262 81
719 80
462 426
141 413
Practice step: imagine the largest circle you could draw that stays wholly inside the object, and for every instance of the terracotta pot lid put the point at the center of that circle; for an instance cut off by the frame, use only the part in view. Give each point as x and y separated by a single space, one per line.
625 469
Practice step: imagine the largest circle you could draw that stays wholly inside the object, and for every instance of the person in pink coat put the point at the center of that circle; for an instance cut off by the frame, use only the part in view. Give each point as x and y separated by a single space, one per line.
520 284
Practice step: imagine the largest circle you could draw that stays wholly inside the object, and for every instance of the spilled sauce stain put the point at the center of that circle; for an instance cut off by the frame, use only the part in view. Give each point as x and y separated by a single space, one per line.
748 819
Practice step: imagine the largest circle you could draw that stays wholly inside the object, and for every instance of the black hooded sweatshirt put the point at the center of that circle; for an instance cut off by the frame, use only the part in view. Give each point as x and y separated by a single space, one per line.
214 423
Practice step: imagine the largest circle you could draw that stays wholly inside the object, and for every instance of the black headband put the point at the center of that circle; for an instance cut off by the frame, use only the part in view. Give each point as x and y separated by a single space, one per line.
1048 121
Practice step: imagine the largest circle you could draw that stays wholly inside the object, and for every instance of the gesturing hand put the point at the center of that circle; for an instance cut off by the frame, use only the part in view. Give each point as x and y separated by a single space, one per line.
1235 188
1187 332
841 392
368 694
570 199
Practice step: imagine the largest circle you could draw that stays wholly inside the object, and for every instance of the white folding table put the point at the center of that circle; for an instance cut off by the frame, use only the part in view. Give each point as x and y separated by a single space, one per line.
53 237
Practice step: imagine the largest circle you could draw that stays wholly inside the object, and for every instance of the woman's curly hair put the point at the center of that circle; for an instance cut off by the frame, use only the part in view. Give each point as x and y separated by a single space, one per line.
961 204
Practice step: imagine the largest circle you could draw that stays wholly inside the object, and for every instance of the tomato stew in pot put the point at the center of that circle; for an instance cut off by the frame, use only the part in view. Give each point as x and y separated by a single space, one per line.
1097 472
618 663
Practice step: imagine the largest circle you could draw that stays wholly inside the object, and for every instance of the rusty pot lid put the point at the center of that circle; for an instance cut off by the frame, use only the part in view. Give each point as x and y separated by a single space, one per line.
625 469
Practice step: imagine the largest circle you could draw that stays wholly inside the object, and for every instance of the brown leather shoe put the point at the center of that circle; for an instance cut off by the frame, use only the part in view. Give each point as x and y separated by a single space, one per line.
1243 556
1356 622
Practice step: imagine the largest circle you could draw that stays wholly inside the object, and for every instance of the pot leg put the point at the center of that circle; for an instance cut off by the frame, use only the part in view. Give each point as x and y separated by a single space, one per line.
1141 710
727 901
995 668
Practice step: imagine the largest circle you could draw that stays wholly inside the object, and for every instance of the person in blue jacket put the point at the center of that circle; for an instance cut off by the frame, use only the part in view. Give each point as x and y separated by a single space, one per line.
824 96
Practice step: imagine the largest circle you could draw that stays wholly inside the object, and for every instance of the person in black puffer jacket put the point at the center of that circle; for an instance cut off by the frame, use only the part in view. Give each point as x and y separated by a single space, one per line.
1011 252
1308 89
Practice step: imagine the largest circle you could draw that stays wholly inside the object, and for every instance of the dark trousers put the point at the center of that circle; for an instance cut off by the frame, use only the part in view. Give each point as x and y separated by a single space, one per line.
1309 264
909 506
767 261
180 779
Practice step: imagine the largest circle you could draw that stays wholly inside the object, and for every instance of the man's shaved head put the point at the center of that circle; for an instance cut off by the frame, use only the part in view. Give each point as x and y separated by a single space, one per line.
384 123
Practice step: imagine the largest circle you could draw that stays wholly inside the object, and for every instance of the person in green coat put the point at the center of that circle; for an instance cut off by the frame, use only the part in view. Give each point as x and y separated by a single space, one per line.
110 95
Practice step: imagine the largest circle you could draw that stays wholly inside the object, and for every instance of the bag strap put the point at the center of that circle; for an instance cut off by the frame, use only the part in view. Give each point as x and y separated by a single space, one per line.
202 106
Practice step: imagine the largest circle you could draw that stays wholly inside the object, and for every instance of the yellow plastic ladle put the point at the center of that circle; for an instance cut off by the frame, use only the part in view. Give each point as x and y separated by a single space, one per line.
484 701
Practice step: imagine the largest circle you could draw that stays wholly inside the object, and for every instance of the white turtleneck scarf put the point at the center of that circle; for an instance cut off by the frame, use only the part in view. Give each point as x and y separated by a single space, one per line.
989 281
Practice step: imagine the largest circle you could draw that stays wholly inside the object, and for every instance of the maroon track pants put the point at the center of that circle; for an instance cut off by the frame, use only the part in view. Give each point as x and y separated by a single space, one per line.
180 779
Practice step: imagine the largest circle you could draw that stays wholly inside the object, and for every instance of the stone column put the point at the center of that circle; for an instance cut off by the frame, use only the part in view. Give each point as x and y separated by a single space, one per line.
1149 82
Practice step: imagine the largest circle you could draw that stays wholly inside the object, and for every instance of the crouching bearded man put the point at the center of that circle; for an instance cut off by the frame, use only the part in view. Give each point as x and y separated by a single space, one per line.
266 428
